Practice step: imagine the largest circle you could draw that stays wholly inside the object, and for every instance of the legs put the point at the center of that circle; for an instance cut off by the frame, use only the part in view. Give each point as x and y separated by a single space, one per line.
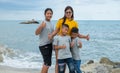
70 64
56 65
45 69
46 52
61 66
77 64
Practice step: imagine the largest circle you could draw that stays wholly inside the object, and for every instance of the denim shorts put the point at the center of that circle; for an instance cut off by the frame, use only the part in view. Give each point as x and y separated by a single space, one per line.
62 63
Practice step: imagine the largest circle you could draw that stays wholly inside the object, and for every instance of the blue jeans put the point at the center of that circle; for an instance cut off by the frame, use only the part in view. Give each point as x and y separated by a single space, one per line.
77 64
62 63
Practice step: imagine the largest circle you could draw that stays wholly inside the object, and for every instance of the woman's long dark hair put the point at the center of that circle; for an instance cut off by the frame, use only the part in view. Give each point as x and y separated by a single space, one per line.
64 18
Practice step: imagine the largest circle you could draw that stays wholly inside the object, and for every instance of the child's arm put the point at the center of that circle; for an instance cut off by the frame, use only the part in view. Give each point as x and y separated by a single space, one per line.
87 37
59 47
79 44
72 44
39 29
50 36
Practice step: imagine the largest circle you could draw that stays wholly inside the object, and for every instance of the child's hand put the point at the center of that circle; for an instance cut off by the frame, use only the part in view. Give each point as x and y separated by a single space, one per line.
50 36
87 37
63 47
43 24
80 44
72 44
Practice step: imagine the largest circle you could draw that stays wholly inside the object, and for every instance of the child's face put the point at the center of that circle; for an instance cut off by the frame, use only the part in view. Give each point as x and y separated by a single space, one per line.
65 30
48 15
74 35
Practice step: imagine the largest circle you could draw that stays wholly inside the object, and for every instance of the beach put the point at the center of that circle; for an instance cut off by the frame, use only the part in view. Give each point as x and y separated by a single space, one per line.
104 66
7 69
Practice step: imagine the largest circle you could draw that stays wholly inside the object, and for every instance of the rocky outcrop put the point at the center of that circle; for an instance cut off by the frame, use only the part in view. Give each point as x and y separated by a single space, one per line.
30 22
104 66
107 61
90 62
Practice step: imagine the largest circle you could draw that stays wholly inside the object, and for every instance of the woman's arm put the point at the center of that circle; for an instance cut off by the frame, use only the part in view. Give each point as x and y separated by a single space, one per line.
39 29
50 36
87 37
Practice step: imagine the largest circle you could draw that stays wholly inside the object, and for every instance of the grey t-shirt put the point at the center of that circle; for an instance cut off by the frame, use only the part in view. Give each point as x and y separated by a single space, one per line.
43 36
75 50
63 40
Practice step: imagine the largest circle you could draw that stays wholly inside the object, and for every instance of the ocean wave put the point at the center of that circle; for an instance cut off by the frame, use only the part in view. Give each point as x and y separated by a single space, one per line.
19 59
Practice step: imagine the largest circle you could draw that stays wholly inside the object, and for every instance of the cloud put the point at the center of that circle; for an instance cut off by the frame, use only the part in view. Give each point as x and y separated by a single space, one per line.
84 9
108 11
21 15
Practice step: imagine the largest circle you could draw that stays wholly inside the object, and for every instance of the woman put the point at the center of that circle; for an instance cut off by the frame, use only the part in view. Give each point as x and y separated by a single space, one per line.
67 19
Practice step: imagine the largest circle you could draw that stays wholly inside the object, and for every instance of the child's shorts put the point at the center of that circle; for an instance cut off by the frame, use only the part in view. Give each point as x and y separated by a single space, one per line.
46 52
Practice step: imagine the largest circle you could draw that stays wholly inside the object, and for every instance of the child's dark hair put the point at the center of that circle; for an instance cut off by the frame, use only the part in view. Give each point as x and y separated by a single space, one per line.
75 30
65 25
47 9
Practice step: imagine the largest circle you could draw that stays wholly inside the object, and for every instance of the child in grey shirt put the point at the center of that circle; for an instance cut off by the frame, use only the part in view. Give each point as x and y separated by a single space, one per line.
62 44
45 45
75 45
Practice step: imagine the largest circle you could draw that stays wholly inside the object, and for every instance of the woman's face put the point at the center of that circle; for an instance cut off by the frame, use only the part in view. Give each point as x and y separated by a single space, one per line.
48 15
68 13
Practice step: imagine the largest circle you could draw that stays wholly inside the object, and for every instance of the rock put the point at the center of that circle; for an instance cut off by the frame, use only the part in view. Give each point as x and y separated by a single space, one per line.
1 58
96 68
117 64
30 22
90 62
102 69
116 70
105 60
104 66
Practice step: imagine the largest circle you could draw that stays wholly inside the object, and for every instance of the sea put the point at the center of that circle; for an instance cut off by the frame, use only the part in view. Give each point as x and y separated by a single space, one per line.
23 45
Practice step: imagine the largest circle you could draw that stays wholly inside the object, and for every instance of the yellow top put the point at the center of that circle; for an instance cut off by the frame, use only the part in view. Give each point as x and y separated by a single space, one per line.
71 24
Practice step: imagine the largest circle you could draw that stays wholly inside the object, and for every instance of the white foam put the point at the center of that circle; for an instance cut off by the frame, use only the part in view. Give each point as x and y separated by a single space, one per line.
21 62
19 59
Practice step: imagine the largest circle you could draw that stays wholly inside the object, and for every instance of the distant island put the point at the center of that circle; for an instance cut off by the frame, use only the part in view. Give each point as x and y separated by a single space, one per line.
30 22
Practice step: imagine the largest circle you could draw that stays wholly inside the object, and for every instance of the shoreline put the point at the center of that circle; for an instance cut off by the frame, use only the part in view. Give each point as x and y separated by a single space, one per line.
104 66
8 69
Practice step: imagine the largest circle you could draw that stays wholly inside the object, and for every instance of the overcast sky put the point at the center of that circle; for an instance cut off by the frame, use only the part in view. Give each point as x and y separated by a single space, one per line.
83 9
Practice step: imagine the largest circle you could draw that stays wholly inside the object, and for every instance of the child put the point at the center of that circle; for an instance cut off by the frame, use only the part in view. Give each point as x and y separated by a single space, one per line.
62 44
75 45
45 44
